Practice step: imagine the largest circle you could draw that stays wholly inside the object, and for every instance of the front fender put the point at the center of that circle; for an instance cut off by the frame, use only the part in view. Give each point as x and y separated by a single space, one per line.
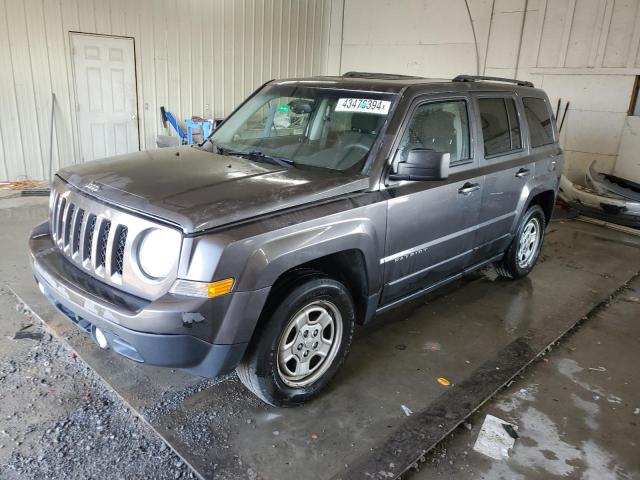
276 255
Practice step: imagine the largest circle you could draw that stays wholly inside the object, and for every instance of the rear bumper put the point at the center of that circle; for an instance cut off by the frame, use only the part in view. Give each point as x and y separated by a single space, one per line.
184 326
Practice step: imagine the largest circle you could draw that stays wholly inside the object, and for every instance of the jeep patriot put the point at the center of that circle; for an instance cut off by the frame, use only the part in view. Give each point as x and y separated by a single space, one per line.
315 205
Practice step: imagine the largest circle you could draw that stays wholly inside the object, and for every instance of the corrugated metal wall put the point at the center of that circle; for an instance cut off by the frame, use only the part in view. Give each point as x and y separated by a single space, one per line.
195 57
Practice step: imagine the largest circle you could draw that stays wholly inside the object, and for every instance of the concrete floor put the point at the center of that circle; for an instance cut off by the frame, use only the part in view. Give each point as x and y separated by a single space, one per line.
578 409
478 333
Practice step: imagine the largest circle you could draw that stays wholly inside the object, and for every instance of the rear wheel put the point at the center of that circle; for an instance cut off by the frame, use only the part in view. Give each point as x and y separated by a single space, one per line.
296 352
522 254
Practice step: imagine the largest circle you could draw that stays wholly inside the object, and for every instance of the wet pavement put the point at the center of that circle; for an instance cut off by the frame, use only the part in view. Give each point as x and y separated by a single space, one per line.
386 408
577 409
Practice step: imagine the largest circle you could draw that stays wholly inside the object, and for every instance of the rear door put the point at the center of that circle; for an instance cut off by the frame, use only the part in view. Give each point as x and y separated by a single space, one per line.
508 169
430 224
543 138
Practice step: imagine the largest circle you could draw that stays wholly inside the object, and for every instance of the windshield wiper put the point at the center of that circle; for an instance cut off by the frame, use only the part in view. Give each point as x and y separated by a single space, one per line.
257 155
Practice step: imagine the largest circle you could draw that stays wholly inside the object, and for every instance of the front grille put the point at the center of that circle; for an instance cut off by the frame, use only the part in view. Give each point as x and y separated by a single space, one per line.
88 243
75 230
68 223
118 259
100 239
61 205
103 238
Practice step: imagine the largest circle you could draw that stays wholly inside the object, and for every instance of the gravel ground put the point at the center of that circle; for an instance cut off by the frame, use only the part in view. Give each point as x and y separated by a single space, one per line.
59 420
205 420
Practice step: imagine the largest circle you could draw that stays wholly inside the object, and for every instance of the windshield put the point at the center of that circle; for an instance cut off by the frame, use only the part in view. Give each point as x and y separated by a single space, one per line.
320 127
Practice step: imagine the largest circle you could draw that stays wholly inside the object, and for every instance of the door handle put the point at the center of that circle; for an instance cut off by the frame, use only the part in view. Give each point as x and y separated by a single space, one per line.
467 188
523 172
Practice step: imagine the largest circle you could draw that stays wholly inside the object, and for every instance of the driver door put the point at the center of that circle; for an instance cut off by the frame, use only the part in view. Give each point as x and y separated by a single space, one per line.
431 224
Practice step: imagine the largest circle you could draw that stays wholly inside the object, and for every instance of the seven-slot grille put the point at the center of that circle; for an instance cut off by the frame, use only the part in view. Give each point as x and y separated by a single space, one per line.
88 239
101 240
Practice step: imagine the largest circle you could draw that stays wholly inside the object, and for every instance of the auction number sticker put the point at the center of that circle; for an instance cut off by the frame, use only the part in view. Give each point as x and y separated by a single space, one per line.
364 105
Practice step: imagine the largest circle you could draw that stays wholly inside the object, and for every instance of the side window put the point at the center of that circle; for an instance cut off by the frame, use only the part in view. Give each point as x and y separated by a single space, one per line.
500 126
539 120
439 126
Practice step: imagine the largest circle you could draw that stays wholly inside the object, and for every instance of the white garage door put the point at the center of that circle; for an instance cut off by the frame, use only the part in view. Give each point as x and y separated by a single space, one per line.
105 81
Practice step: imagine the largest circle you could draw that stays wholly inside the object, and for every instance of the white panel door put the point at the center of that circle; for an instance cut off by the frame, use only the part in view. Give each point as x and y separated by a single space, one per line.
105 81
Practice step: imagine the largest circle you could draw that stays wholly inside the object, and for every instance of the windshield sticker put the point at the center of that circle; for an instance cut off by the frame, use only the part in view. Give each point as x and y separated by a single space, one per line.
364 105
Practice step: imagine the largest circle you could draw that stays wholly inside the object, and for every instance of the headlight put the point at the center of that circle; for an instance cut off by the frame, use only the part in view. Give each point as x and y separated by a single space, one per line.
157 253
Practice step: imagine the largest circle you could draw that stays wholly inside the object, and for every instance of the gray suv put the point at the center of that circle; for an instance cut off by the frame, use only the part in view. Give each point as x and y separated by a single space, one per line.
315 205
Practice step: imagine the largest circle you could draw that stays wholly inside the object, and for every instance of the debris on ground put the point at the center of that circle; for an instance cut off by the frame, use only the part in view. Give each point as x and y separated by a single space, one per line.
443 381
23 184
607 206
58 416
407 411
196 420
510 430
603 183
598 369
495 440
432 346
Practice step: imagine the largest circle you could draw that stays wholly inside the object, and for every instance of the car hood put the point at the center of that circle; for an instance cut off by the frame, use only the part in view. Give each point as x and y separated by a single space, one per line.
198 190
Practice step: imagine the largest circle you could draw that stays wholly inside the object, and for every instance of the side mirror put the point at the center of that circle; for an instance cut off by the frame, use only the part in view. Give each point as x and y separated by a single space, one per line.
423 164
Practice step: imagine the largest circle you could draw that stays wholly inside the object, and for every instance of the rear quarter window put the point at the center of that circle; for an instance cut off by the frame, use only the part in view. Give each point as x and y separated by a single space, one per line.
539 120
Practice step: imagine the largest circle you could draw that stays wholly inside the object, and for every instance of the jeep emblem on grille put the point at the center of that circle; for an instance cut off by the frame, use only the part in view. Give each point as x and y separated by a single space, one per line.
93 186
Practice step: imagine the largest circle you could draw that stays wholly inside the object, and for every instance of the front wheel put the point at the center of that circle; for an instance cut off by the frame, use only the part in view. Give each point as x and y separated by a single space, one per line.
296 352
524 250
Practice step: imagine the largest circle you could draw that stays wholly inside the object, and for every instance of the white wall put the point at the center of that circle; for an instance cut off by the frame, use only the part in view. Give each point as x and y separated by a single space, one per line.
414 37
628 162
195 57
583 51
202 57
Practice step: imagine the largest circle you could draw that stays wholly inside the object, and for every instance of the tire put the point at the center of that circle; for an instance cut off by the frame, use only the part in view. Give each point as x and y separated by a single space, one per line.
273 367
518 263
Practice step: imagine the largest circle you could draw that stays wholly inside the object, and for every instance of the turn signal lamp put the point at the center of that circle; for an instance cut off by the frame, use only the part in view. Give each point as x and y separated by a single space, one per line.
202 289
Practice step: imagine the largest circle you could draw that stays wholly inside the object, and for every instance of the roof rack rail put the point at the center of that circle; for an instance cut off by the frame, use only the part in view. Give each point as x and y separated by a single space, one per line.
385 76
475 78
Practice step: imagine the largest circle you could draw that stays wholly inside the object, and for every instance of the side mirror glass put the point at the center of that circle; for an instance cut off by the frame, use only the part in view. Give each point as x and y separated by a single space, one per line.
423 164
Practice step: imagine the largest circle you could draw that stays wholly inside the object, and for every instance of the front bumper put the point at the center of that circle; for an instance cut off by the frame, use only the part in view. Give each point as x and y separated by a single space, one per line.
606 206
172 331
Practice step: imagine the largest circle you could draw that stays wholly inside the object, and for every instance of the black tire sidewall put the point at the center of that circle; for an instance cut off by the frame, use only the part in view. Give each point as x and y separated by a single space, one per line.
517 271
264 358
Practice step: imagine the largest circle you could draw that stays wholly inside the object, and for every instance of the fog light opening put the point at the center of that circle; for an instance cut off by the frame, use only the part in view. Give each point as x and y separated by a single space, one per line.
100 338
